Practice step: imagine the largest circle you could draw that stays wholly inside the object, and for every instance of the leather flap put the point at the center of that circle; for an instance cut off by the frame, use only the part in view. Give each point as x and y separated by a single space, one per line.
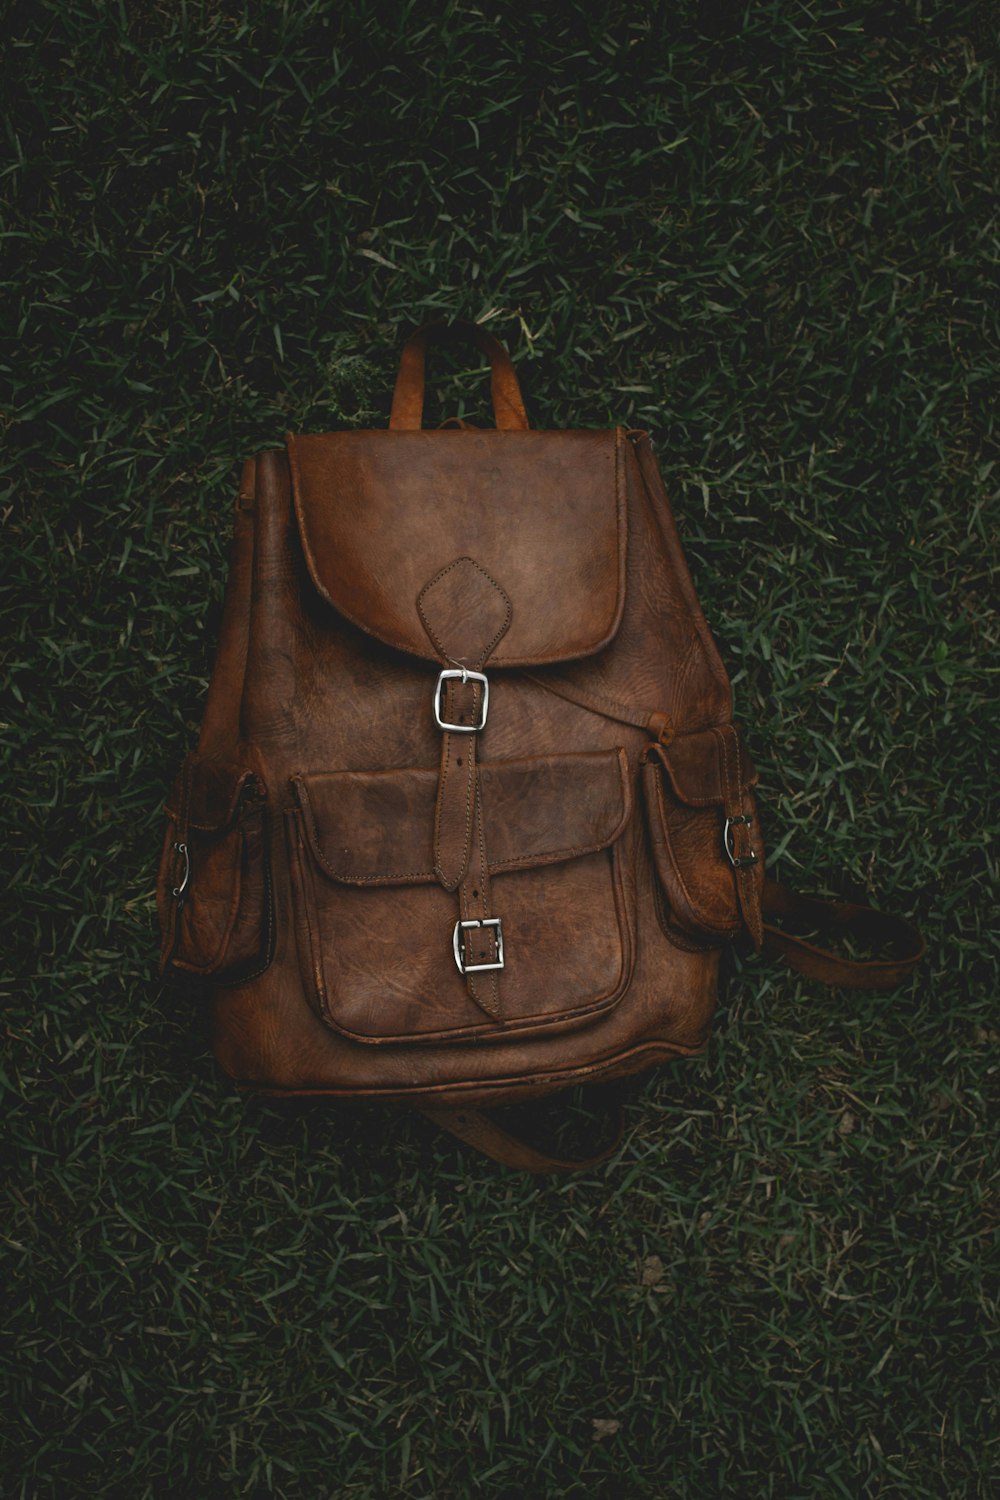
207 793
694 765
541 514
377 827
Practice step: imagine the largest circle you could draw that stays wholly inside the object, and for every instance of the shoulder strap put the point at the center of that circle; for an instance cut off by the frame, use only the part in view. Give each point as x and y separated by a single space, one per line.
844 920
477 1129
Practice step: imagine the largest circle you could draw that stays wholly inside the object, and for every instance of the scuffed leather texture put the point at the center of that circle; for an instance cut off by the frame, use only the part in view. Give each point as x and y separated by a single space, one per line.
375 827
213 884
363 564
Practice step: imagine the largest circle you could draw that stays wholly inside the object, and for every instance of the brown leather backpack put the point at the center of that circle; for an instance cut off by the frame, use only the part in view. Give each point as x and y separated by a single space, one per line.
469 820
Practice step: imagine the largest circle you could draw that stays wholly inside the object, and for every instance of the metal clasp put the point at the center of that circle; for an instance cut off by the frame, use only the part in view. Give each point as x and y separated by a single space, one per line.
457 944
178 890
738 861
467 675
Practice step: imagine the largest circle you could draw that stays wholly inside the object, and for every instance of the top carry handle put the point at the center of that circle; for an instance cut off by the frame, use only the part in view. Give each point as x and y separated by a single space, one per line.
408 396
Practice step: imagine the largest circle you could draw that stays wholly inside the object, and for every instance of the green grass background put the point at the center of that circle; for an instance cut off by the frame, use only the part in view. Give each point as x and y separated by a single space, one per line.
768 234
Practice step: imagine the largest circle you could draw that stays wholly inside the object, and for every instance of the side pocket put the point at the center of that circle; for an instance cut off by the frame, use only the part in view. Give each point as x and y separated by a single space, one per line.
213 890
705 836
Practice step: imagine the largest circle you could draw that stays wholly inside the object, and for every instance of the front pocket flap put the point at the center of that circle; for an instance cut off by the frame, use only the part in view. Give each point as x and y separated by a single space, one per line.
548 808
207 793
377 827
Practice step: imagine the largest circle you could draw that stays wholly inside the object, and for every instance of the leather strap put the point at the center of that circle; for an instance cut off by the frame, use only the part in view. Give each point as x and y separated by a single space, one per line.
844 919
453 815
478 1130
408 397
465 613
480 944
733 778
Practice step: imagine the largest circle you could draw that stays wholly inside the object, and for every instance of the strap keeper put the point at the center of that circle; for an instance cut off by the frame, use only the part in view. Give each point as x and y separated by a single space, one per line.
661 727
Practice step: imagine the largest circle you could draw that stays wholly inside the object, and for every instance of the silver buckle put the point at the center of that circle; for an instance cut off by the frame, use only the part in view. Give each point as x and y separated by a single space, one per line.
738 862
457 945
177 891
467 675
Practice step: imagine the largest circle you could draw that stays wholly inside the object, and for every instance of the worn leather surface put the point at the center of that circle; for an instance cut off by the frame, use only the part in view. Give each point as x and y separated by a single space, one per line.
363 564
376 827
381 516
363 993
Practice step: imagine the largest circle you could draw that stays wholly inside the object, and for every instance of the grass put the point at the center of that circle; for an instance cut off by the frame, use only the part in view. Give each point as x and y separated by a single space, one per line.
769 235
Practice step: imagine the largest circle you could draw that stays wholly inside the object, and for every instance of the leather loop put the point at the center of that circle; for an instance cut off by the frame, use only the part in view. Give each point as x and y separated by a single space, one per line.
738 806
408 397
479 1131
842 919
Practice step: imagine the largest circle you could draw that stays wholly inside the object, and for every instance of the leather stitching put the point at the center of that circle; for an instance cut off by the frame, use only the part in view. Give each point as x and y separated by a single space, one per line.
312 832
551 856
501 632
306 916
685 796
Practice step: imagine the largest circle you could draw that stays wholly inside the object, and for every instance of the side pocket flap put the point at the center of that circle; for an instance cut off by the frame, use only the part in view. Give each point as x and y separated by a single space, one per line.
207 794
213 885
703 832
695 765
377 827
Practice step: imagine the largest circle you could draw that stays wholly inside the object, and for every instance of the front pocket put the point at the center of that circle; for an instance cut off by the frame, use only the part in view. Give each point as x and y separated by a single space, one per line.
213 889
376 929
705 836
